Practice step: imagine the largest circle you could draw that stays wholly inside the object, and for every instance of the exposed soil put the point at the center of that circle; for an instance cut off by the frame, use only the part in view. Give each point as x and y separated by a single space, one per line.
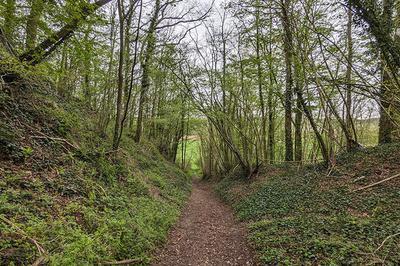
206 234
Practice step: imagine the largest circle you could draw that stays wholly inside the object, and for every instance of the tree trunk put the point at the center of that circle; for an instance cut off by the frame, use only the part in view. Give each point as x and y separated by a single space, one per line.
146 64
87 68
314 126
130 83
271 109
288 45
348 102
120 76
298 143
386 125
39 53
299 84
32 23
10 20
260 87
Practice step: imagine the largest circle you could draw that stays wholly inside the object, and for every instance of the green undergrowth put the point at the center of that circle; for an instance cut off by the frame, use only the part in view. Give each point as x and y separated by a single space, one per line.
66 199
309 216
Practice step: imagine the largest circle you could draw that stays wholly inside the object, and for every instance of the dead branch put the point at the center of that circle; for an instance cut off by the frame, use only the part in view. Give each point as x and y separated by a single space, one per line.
377 183
39 261
384 241
122 262
21 232
112 151
359 179
57 139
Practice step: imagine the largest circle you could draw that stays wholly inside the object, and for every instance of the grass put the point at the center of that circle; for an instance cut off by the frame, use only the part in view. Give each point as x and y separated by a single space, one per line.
83 205
303 216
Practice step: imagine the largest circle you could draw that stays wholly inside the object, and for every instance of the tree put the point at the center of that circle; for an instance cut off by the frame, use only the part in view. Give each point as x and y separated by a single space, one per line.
120 85
386 125
32 23
288 48
10 20
260 82
145 65
39 53
348 102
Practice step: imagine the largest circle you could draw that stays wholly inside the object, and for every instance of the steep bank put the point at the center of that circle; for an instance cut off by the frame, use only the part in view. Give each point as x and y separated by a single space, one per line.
66 199
312 216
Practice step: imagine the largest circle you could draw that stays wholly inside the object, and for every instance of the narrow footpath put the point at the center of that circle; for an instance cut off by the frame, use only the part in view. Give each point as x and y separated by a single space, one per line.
206 234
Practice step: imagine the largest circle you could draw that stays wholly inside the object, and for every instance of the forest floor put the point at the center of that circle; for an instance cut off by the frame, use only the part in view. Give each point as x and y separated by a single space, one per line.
206 234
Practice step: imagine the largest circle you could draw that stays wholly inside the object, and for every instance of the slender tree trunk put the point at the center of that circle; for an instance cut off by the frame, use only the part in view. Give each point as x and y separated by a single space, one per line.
62 78
320 139
299 83
33 22
386 125
146 64
87 68
298 130
348 103
260 87
10 20
245 144
127 55
271 115
288 45
130 85
120 76
104 115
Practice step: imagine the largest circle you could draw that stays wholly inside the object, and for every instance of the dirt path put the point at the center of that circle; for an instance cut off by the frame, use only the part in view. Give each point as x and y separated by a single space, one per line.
206 234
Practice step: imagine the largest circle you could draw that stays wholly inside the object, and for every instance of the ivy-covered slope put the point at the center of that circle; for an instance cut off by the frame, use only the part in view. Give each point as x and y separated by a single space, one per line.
66 199
313 217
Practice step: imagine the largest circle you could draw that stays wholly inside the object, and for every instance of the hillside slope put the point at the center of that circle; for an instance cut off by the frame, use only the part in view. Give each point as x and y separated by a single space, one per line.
65 199
313 217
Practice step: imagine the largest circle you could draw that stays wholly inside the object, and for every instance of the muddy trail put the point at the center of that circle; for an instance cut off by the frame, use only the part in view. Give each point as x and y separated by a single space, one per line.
206 234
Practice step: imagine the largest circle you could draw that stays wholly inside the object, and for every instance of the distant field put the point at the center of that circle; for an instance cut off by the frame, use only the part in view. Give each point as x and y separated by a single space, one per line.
368 131
192 156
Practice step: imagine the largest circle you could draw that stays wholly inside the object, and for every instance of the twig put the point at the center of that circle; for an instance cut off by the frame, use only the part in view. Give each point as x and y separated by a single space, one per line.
358 179
122 262
57 139
384 241
112 151
377 183
39 261
41 250
44 136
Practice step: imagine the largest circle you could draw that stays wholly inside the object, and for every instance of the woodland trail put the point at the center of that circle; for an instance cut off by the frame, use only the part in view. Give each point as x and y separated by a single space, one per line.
206 234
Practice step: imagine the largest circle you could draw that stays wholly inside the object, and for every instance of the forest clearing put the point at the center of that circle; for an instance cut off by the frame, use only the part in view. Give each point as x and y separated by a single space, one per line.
199 132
